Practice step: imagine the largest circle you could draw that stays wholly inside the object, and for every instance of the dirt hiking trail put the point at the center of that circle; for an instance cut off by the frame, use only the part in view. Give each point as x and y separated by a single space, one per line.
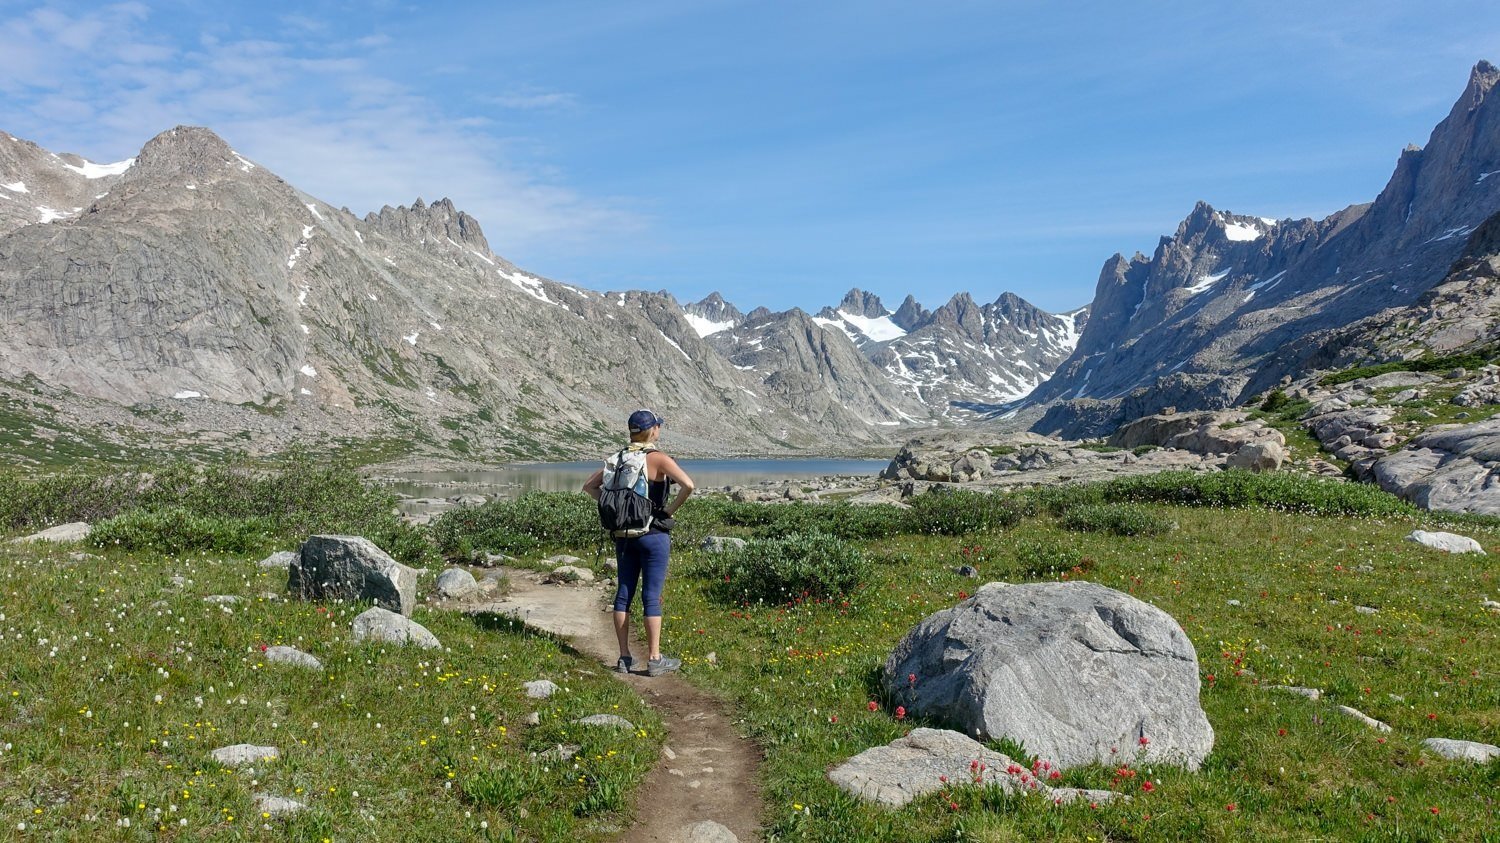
708 773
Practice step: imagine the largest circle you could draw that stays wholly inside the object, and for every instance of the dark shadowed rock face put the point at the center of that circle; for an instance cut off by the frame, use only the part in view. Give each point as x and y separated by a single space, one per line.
1076 672
1235 295
352 568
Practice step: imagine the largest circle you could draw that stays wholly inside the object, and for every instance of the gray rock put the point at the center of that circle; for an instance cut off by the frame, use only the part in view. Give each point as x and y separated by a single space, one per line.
966 571
279 559
1366 610
1449 542
1456 750
564 559
352 568
292 656
1364 718
1258 456
533 719
540 689
223 599
704 831
469 500
720 544
611 720
561 752
244 754
919 763
455 584
569 574
1311 693
377 624
1076 672
277 806
75 531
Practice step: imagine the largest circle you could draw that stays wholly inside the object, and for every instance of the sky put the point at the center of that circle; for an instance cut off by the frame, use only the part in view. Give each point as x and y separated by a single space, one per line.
778 152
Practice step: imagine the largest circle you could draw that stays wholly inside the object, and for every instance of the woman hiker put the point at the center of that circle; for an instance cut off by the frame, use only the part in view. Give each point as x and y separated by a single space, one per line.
645 558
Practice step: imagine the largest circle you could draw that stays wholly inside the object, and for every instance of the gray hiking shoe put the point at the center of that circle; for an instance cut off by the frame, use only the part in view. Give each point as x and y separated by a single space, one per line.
661 666
624 664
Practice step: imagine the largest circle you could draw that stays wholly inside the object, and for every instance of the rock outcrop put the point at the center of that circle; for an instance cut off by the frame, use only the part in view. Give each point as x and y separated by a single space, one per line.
377 624
1076 672
352 568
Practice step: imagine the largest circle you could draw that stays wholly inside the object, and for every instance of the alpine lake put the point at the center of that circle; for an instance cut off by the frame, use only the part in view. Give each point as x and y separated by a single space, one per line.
426 491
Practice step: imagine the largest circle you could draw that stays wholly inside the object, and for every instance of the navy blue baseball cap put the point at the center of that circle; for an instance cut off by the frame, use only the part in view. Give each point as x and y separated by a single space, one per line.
643 420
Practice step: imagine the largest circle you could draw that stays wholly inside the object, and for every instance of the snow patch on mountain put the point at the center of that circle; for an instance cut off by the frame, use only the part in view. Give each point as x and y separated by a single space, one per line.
702 326
90 170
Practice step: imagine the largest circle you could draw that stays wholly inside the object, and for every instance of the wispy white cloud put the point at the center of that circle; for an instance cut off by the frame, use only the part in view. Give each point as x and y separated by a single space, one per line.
317 111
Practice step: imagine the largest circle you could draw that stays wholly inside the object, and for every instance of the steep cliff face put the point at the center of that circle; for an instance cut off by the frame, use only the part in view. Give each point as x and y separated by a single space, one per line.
37 186
1251 300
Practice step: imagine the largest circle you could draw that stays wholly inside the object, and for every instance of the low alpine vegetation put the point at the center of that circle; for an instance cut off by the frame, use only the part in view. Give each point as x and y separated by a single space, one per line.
790 569
1120 519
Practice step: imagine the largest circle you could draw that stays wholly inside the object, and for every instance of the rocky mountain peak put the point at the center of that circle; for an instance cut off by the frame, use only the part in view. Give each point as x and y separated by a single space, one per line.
714 308
439 221
910 315
191 152
857 302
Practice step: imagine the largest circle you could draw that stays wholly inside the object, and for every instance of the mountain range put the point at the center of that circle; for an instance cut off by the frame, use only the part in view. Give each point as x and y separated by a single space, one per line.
191 281
193 285
1229 304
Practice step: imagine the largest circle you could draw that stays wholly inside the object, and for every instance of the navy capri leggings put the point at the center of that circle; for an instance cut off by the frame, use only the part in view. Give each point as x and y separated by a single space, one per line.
643 559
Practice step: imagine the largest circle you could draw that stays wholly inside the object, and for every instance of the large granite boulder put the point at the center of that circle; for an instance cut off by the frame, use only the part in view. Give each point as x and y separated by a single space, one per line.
383 625
1450 468
75 531
1074 671
1448 542
352 568
1258 456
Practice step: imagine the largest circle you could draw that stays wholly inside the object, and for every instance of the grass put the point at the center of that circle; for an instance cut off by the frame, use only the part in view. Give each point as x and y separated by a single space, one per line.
116 684
88 644
802 676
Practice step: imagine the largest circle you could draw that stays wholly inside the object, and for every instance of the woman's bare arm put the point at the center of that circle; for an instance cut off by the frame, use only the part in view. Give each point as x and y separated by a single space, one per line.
592 485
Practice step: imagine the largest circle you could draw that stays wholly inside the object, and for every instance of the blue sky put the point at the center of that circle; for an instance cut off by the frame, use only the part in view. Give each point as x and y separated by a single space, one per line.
778 152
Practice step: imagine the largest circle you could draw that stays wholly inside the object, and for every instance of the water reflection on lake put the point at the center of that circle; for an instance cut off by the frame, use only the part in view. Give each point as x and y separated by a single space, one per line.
512 480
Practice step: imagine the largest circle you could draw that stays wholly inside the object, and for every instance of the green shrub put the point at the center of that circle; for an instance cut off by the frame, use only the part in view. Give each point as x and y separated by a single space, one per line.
179 530
804 567
960 513
1121 519
1469 360
1277 490
1043 559
1275 400
532 522
301 495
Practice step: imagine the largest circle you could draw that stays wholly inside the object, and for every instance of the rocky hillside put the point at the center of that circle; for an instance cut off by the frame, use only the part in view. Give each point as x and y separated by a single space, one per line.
1230 304
193 283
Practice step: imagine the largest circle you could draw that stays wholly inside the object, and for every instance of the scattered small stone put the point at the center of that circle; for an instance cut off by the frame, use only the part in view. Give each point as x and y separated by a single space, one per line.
1366 610
533 719
292 656
614 720
279 559
569 574
1364 718
966 571
712 657
704 831
1450 542
561 752
1232 602
667 752
1491 605
1365 568
277 806
541 689
564 559
377 624
244 754
1310 693
721 544
455 584
222 599
1456 750
178 581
